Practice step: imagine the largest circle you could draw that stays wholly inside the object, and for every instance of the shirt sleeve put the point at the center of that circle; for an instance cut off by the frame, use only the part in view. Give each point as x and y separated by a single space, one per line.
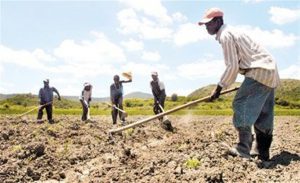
231 62
161 85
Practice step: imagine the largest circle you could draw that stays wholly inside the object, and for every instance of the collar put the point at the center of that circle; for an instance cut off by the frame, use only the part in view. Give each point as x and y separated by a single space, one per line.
218 35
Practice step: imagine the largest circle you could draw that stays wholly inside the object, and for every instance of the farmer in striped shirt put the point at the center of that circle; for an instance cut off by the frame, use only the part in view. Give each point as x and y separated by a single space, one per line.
254 101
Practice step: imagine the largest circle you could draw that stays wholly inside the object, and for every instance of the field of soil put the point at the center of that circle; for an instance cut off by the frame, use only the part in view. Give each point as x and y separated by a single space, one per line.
73 151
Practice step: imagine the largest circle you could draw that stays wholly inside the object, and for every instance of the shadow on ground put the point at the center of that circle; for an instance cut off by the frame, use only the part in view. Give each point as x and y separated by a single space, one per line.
284 158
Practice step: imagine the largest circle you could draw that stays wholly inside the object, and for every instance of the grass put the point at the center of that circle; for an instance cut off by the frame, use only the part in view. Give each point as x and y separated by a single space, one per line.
144 111
192 163
221 106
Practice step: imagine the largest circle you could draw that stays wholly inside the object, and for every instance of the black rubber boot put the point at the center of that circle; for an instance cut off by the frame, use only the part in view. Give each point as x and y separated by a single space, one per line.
245 143
263 145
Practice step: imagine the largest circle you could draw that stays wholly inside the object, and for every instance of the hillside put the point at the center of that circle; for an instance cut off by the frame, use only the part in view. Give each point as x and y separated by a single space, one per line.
5 96
206 91
287 97
95 99
140 95
32 100
287 94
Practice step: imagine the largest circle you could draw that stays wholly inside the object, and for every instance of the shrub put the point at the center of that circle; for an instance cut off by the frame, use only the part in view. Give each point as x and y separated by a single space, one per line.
174 97
282 102
6 106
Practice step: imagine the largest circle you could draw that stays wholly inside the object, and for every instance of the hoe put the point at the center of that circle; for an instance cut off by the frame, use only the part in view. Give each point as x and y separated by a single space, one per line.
164 113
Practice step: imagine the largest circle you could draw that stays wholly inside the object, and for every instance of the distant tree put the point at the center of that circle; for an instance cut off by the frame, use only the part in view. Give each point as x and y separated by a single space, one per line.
174 97
6 106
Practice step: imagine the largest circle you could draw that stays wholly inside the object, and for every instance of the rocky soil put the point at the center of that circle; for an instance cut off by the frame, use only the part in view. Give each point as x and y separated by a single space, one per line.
73 151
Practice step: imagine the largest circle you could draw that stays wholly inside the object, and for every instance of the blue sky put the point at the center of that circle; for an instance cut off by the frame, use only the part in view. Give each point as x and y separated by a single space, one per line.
71 42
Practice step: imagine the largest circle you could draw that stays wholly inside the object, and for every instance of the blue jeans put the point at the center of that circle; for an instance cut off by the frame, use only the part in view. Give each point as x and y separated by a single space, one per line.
254 105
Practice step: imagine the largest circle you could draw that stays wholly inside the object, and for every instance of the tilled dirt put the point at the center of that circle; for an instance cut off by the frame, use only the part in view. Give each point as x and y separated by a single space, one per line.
73 151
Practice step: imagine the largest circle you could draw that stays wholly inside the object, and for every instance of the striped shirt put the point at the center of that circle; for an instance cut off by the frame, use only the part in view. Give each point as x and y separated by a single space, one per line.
245 56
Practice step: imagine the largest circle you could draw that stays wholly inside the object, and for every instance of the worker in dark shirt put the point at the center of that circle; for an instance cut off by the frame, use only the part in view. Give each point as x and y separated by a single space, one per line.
46 101
159 93
116 97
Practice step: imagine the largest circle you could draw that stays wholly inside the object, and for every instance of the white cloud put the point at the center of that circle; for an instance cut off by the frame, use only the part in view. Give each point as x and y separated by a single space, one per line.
133 45
142 69
100 50
151 56
272 39
86 58
291 72
179 17
34 60
83 70
201 69
253 1
283 16
189 33
145 28
152 8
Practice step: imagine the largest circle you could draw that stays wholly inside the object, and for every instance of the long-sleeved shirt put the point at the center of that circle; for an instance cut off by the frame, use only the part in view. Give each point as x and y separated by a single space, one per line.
242 54
46 94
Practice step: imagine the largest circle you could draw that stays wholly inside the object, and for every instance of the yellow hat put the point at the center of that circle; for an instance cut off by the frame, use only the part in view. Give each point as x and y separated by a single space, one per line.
127 75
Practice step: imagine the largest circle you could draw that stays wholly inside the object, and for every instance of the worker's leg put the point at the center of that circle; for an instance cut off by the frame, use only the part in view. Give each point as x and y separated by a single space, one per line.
114 113
40 113
162 104
156 108
84 110
120 105
247 107
49 113
162 101
264 128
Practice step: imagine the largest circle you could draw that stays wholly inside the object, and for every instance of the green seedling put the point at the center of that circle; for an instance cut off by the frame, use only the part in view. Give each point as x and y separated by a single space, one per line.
192 163
129 132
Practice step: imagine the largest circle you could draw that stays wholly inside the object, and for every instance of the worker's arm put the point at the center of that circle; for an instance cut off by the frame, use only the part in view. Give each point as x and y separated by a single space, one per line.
232 66
231 62
128 81
56 91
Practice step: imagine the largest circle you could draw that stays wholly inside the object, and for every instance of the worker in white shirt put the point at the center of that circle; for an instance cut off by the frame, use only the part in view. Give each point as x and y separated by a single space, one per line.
159 93
85 99
254 101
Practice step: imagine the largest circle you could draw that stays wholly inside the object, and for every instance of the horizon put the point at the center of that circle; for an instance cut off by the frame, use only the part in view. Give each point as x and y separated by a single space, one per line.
125 94
74 42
